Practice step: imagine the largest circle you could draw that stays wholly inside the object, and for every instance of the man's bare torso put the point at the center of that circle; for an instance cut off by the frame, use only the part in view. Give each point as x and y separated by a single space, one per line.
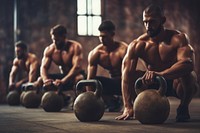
24 64
63 58
159 55
112 60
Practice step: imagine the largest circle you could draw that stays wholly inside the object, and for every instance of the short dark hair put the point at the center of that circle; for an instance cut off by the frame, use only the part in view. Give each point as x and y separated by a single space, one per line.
154 9
21 44
58 30
107 25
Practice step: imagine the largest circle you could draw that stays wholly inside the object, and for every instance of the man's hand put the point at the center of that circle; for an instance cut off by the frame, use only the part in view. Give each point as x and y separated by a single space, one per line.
11 87
57 82
48 82
127 114
149 77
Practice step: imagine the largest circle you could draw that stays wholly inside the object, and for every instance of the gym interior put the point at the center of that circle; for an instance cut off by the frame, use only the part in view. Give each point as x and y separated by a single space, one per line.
31 21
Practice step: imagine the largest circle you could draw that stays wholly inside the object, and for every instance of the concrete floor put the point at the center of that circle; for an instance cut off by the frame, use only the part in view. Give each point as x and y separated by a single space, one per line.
17 119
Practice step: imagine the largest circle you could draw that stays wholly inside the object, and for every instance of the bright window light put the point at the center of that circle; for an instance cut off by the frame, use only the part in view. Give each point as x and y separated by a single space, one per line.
88 17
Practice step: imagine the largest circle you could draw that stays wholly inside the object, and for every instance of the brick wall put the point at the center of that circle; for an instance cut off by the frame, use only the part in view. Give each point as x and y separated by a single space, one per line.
36 17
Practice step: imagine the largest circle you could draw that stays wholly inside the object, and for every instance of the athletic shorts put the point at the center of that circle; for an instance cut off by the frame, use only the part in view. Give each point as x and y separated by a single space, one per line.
111 86
170 90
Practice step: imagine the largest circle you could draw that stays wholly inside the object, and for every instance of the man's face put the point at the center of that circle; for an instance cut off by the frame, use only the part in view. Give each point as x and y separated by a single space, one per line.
105 38
152 24
20 53
58 40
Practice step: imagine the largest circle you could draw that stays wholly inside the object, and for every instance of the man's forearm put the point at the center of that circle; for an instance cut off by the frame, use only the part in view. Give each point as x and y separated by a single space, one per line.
127 94
72 73
23 80
44 75
177 70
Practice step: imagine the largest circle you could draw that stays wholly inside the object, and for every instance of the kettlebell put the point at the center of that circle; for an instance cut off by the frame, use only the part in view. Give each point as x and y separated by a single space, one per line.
89 106
52 101
21 98
30 96
151 106
13 98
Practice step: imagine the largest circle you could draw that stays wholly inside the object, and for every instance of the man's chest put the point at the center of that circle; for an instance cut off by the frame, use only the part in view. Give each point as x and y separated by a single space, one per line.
110 60
24 65
162 53
62 57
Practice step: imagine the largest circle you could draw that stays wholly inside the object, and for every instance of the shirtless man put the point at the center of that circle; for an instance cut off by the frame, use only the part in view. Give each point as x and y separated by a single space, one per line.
67 54
166 53
24 62
109 55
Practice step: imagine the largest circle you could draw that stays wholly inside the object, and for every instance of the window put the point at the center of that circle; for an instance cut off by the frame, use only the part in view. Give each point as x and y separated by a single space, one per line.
88 17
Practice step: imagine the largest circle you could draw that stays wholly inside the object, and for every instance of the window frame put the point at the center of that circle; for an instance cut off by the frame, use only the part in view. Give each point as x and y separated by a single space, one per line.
89 15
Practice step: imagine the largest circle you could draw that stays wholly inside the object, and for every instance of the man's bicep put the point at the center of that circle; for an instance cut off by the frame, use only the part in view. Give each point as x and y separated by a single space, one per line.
93 58
46 61
92 70
34 67
14 69
78 56
130 60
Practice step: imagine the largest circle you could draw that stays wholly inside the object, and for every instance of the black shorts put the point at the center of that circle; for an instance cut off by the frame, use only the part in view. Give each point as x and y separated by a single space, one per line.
111 86
170 90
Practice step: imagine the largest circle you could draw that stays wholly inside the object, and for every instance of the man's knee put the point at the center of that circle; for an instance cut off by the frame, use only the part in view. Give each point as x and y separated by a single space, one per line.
78 78
186 85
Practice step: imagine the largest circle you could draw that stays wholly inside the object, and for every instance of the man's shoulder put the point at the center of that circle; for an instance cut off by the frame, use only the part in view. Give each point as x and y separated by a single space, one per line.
32 57
49 47
16 61
143 37
97 49
49 50
140 41
73 43
122 43
179 38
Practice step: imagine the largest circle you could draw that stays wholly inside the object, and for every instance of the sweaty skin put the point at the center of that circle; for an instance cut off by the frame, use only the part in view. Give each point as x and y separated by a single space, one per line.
166 53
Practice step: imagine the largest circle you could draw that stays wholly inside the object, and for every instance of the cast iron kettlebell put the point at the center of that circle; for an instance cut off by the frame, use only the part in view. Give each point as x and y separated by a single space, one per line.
89 106
13 98
151 106
52 101
30 97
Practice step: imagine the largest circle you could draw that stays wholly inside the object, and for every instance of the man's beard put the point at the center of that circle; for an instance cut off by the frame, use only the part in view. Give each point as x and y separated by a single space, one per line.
60 45
20 56
153 33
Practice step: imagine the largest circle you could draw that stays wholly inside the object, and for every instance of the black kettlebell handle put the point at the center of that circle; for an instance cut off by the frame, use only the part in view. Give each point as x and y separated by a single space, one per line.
50 87
27 86
162 84
91 82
